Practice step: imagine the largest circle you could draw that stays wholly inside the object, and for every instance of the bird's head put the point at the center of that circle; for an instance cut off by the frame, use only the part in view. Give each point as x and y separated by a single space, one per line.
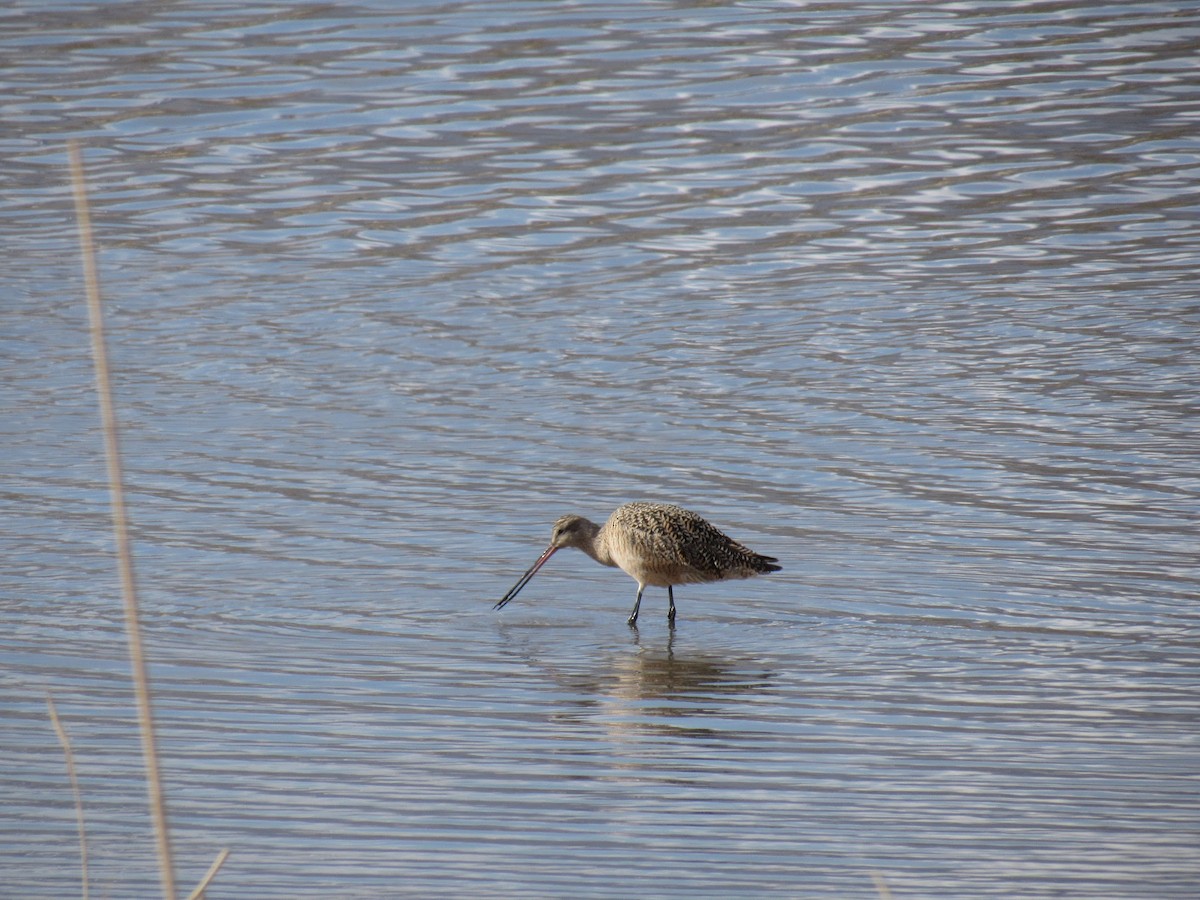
572 531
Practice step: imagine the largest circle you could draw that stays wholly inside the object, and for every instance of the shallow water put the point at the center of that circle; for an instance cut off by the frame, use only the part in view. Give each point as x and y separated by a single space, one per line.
903 295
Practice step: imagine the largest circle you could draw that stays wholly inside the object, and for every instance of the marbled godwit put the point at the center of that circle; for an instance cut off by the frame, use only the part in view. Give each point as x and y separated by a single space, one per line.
653 543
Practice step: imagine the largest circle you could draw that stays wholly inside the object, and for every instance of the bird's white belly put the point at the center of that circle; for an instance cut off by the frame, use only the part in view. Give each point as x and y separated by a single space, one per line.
653 573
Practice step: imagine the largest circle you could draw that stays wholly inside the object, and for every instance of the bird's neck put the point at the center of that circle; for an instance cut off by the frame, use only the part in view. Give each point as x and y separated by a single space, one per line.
595 545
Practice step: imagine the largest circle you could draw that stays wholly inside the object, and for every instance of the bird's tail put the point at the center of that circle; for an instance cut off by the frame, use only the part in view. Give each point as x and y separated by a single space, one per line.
767 563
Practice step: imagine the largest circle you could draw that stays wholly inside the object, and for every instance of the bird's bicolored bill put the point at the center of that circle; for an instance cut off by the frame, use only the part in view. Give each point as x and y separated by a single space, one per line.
529 573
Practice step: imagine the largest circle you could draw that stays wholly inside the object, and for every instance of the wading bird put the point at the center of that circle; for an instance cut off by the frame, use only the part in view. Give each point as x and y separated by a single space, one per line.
655 544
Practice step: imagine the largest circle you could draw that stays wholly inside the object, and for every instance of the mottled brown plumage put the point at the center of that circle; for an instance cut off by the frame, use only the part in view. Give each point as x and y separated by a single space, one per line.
655 544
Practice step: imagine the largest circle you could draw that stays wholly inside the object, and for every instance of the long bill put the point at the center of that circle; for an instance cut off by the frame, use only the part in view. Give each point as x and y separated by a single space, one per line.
529 573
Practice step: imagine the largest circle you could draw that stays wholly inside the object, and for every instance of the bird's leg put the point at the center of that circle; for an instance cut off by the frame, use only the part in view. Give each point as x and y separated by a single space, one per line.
671 597
637 604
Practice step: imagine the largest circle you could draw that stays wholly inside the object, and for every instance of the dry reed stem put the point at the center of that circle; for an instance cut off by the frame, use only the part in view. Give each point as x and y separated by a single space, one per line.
885 893
70 757
133 633
198 893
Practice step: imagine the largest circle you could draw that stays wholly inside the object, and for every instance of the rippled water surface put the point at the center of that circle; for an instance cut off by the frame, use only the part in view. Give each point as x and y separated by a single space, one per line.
903 294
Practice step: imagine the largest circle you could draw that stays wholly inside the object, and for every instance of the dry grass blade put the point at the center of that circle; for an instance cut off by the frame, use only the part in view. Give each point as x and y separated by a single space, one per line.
198 893
70 757
133 632
881 886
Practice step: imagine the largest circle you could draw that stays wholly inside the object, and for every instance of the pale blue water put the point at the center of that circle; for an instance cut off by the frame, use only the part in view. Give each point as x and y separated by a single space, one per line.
902 294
